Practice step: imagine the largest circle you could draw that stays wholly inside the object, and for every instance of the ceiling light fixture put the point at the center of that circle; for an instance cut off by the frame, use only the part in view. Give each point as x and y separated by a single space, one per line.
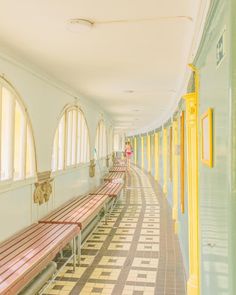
129 91
77 25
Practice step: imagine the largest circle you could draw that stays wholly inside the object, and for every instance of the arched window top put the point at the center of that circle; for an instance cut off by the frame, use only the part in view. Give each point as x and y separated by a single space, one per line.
101 141
71 141
17 148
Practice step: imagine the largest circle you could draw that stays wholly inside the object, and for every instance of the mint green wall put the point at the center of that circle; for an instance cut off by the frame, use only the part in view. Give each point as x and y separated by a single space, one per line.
232 235
214 183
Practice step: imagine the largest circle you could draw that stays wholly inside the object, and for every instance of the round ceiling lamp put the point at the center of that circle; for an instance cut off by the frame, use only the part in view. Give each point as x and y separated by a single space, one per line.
77 25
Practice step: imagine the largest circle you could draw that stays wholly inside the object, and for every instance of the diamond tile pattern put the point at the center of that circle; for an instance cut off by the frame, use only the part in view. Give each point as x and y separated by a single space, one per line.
135 253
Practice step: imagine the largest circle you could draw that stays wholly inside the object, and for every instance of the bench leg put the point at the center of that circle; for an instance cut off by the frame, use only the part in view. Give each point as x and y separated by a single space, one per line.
74 254
105 209
61 254
79 242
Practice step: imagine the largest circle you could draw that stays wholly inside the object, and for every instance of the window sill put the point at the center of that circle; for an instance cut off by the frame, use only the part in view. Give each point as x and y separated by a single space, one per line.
69 169
9 185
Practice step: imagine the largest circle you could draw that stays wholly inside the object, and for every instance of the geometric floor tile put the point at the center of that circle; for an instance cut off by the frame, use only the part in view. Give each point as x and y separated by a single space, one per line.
135 252
144 276
105 274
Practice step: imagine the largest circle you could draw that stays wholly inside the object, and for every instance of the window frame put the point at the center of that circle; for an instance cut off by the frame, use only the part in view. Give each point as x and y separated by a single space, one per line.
28 135
78 157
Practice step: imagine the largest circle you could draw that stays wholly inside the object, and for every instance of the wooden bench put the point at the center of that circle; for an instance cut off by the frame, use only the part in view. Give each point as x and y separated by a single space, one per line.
112 176
79 211
27 253
120 162
118 169
111 189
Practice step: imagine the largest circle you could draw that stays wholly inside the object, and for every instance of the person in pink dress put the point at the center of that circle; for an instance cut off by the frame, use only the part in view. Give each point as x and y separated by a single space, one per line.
128 153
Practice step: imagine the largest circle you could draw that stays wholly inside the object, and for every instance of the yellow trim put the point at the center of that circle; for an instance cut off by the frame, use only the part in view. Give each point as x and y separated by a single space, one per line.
135 150
149 153
156 153
209 115
142 152
175 158
192 160
165 155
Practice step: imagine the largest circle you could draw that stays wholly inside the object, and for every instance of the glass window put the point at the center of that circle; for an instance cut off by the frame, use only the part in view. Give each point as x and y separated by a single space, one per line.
17 156
76 144
101 141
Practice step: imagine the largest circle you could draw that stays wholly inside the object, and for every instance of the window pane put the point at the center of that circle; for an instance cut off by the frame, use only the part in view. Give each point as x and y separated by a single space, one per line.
61 143
7 134
55 153
69 138
82 140
20 143
30 154
73 139
79 138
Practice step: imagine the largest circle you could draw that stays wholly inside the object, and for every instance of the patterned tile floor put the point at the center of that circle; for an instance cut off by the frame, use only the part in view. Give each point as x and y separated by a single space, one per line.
135 253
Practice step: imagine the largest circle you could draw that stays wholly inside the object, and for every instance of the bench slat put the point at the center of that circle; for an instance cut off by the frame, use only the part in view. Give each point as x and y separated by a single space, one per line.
110 189
29 250
65 208
23 267
118 169
77 214
114 175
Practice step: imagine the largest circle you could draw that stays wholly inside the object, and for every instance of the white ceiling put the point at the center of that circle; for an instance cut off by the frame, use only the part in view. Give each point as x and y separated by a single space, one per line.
147 55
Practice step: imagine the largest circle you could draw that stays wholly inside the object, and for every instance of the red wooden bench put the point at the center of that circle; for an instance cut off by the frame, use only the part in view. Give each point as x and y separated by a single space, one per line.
112 176
111 189
79 211
27 253
118 169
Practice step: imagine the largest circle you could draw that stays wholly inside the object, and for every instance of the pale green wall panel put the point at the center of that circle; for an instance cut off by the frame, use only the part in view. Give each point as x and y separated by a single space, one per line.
214 197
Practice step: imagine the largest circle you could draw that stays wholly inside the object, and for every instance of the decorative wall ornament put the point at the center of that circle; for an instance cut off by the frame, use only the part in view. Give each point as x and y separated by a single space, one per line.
107 161
220 48
92 168
43 187
113 158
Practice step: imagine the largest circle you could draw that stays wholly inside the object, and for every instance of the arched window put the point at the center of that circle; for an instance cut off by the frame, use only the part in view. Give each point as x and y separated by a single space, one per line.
17 150
71 141
101 141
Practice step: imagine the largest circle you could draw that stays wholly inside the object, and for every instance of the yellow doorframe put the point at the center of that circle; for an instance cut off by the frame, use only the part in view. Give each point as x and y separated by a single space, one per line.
156 153
175 158
135 150
149 153
142 152
165 177
192 160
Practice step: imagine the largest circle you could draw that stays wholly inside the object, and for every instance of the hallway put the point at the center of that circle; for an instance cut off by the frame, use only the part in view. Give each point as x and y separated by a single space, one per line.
135 253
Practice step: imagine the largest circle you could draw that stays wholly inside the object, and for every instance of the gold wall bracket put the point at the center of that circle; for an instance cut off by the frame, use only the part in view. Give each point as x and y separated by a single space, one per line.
43 187
92 166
